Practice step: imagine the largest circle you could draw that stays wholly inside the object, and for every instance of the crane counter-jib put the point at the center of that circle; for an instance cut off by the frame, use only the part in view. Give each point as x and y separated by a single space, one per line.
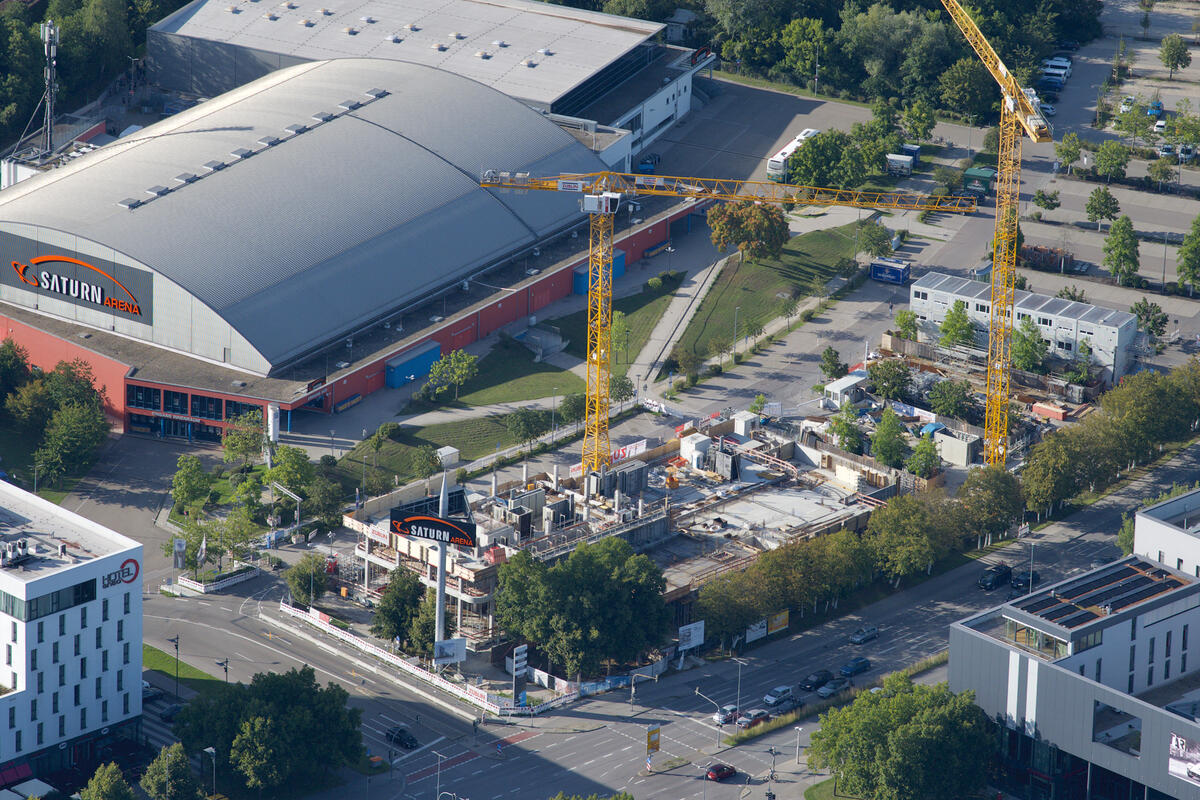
630 184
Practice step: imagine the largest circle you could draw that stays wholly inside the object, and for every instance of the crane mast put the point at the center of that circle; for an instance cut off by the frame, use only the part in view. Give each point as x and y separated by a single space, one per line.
601 195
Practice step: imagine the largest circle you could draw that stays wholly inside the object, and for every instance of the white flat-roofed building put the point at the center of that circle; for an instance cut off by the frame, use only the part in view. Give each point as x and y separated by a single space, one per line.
71 629
1063 323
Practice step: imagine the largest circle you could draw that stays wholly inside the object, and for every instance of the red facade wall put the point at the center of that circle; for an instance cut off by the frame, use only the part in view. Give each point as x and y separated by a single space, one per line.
46 350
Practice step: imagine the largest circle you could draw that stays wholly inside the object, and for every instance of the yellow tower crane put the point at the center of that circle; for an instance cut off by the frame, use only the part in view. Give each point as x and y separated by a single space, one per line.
602 193
1018 114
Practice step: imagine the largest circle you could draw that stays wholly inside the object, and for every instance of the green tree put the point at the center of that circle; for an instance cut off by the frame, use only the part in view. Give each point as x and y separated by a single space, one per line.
951 179
290 467
758 404
398 605
887 443
620 388
757 230
425 462
805 43
1145 23
1050 473
832 366
526 425
453 369
992 500
725 607
844 425
1068 150
619 331
906 324
1187 264
1150 316
244 438
1173 54
572 408
1101 204
1081 369
191 483
14 367
950 398
956 327
874 239
1161 170
423 627
31 405
720 346
305 576
918 120
75 433
1028 347
169 776
324 501
1125 535
891 378
255 753
924 461
1073 293
1047 200
967 87
1111 159
107 783
1121 251
907 535
1134 124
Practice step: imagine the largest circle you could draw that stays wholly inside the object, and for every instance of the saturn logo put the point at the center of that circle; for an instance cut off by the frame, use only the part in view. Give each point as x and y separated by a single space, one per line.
73 287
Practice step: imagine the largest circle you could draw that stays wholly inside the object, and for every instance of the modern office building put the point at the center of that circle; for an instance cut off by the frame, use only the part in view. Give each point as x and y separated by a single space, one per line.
1169 532
1063 323
71 626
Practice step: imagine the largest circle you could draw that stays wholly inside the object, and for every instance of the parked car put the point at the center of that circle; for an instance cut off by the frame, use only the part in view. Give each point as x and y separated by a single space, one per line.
1186 153
816 680
1047 110
648 163
755 716
833 687
864 634
398 734
994 576
1025 579
1155 109
725 715
1166 151
169 713
719 772
1127 103
1160 126
777 695
855 666
150 694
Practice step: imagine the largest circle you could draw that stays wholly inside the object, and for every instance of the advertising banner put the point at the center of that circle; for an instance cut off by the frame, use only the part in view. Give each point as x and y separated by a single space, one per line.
777 622
450 651
652 739
618 454
1183 759
691 635
425 526
756 631
180 553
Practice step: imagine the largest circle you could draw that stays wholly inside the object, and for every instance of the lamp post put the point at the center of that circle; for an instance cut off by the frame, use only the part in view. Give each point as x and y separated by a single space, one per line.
438 795
741 663
717 706
735 330
799 728
1031 567
175 641
331 450
212 753
364 460
224 664
553 425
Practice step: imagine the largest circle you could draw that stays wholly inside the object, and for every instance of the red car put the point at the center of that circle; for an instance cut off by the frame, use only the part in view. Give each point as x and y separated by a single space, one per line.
719 772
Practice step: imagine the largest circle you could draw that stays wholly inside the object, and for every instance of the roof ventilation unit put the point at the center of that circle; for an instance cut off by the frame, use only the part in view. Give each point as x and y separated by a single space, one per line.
271 15
185 177
233 9
349 105
500 43
241 152
129 203
528 62
455 35
342 364
483 54
350 30
213 166
157 191
367 19
238 384
545 51
324 12
394 38
412 26
375 94
288 4
322 116
295 130
268 141
439 46
307 23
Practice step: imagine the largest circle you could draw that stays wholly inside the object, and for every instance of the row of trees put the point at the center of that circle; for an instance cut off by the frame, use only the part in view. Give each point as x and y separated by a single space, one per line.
902 539
603 603
844 160
62 409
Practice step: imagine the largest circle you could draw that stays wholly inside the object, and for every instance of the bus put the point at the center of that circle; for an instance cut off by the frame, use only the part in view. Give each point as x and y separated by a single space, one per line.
777 164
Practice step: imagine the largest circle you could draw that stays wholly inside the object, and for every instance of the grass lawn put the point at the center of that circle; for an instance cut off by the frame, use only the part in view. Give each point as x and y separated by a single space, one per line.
225 491
509 374
642 311
759 288
155 659
16 458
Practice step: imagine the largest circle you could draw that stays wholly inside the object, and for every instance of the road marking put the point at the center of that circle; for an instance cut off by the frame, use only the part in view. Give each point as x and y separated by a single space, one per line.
623 749
589 763
418 750
204 602
223 608
244 658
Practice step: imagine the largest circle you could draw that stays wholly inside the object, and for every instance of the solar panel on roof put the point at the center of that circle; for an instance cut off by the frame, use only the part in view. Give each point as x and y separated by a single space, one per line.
1079 589
1038 604
1138 596
1102 596
1061 611
1076 620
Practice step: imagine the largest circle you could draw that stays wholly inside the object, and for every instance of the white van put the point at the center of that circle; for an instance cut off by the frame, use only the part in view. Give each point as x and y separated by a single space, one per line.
1056 72
1057 61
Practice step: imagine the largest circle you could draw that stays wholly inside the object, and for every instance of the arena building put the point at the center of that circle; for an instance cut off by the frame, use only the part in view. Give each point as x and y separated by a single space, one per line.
265 249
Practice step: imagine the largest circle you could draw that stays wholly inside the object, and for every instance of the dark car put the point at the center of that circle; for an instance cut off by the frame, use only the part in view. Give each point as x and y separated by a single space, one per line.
754 716
1025 579
855 665
398 734
169 713
816 680
994 576
719 772
833 687
149 695
864 634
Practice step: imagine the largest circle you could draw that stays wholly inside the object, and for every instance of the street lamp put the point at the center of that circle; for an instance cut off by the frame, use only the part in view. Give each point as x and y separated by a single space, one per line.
741 663
799 728
735 330
224 664
175 641
438 795
331 450
717 706
212 753
553 425
364 462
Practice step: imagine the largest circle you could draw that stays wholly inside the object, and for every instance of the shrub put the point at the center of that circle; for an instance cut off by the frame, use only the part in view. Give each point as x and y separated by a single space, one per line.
655 284
807 314
714 369
680 385
460 475
692 379
739 357
236 479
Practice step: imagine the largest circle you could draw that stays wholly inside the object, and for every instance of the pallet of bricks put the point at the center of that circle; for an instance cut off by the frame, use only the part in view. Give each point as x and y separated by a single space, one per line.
1047 259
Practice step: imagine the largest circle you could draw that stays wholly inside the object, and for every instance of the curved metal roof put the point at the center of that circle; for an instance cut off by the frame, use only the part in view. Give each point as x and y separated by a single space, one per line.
297 242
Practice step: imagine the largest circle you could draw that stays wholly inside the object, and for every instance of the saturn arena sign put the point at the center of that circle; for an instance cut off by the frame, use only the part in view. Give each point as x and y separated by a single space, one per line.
437 529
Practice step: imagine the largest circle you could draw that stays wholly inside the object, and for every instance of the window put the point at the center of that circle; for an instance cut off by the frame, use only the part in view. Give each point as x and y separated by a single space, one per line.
143 397
235 409
104 610
99 687
1179 564
1150 660
104 711
82 617
8 655
77 643
82 668
1021 316
104 661
127 602
120 631
1183 643
206 407
1045 321
1167 670
125 653
1167 651
1133 625
40 738
41 632
1160 557
125 704
12 717
18 741
1132 655
1150 675
99 636
1081 669
62 674
981 308
1065 346
1098 661
33 658
77 695
1182 663
82 718
54 703
62 726
14 632
120 681
62 624
54 653
175 402
33 710
1083 332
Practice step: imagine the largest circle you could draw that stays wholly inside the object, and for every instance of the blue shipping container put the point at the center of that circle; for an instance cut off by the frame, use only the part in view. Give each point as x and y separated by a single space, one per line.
579 280
412 364
890 271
